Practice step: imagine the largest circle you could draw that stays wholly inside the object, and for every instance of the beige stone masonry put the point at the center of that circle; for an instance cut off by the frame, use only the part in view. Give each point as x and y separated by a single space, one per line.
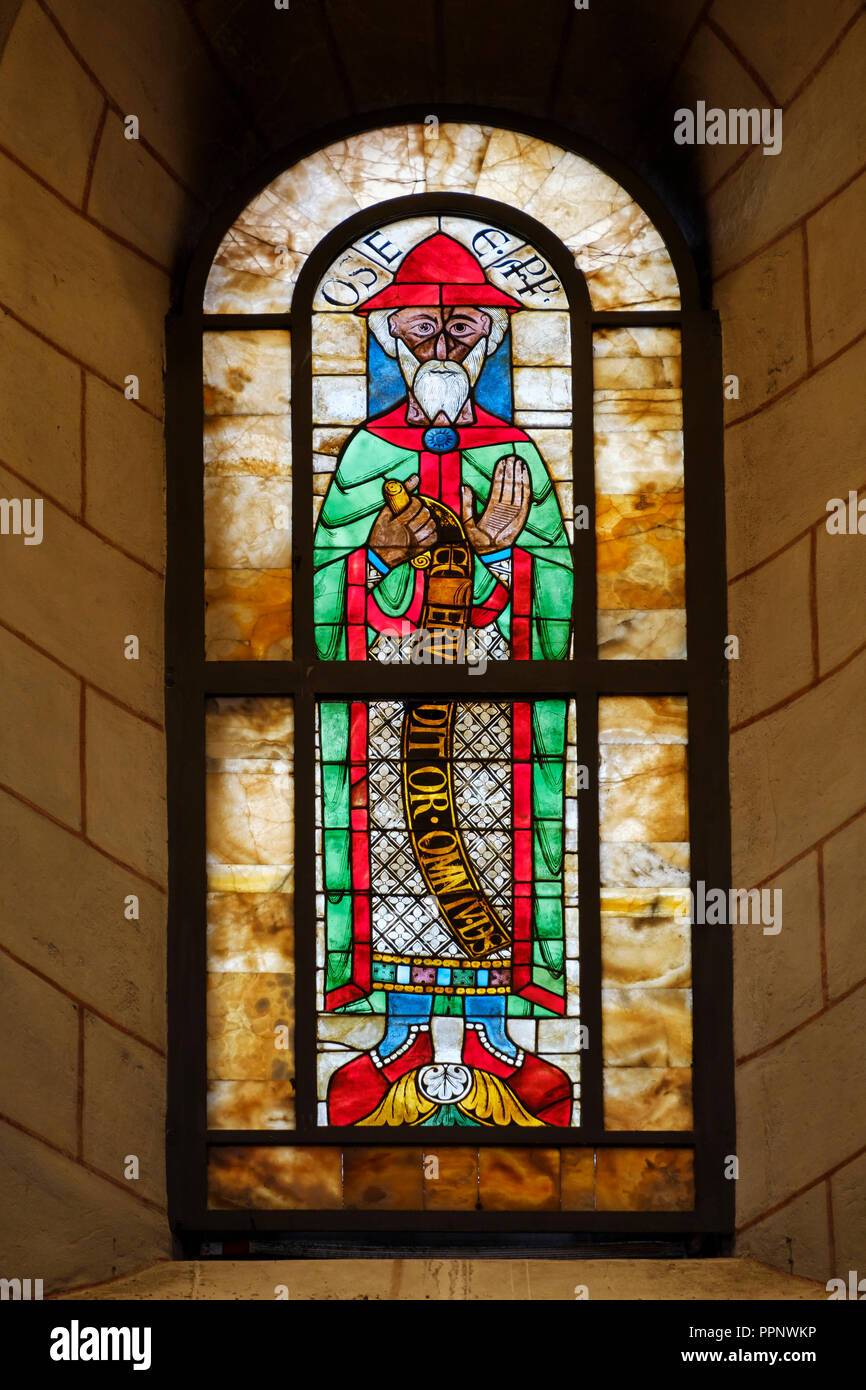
797 774
66 1221
42 445
824 144
77 598
775 657
124 1087
125 474
47 123
796 1238
841 583
124 755
794 1124
62 906
790 39
101 302
40 709
837 270
783 465
779 976
152 64
133 195
848 1192
763 312
39 1045
711 73
845 901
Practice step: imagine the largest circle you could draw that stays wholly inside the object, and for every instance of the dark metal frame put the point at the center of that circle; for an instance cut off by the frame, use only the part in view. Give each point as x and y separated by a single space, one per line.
702 677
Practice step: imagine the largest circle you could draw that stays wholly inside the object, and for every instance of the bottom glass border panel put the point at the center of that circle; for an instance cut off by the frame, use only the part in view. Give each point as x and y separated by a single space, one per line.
449 1178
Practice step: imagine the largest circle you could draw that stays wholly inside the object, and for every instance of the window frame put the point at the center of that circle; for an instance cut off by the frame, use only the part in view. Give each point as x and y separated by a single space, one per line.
701 676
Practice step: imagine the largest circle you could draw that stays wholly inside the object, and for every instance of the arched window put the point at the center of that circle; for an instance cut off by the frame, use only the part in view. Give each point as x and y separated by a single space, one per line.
448 704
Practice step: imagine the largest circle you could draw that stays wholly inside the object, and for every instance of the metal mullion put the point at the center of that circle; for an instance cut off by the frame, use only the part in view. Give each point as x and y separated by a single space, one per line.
583 489
712 954
634 318
585 1137
581 1225
245 323
589 899
513 678
305 914
185 746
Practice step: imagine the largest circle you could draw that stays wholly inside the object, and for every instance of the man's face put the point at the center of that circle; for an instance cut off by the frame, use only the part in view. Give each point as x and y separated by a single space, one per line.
441 353
444 333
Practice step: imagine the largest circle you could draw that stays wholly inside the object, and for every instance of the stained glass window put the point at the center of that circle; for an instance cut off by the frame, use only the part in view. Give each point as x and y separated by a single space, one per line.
447 694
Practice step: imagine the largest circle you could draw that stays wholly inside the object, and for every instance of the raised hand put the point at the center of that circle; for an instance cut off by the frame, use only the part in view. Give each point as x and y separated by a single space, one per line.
507 508
398 536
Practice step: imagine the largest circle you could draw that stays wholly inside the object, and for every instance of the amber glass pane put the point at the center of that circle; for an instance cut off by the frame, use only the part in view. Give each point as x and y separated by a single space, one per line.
644 864
247 496
250 872
450 1179
640 527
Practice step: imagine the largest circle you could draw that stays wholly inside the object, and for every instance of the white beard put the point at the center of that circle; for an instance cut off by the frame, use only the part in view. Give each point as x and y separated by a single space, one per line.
441 387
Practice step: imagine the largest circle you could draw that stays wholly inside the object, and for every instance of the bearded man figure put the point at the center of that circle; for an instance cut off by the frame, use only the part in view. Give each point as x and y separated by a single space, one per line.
441 528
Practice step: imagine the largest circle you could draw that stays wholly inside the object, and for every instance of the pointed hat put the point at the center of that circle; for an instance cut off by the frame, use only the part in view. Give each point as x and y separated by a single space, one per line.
439 271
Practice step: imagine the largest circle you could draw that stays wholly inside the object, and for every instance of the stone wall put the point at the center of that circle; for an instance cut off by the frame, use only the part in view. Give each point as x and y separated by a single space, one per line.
100 227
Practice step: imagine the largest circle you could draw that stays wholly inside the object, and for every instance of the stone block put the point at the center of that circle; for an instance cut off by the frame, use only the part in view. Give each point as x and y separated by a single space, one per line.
62 907
39 729
154 64
777 979
133 195
710 73
67 1226
788 42
775 657
840 576
837 276
48 123
125 473
126 786
39 1044
845 906
100 302
124 1106
763 312
798 1110
78 598
798 773
795 1239
848 1195
823 138
784 464
40 425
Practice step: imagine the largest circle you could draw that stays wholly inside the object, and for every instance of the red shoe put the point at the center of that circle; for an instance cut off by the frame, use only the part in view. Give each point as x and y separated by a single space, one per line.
360 1085
543 1089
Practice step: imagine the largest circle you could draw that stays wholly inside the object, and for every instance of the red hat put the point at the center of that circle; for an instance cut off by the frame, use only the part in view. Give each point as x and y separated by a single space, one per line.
439 271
